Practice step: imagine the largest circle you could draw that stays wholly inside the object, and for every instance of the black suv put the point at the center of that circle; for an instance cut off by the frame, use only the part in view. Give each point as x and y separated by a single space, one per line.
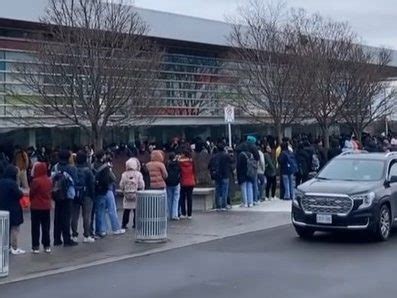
355 191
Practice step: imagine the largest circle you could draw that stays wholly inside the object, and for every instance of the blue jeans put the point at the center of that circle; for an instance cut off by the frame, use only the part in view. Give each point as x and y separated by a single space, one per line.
255 189
289 191
173 194
261 186
103 203
221 193
247 192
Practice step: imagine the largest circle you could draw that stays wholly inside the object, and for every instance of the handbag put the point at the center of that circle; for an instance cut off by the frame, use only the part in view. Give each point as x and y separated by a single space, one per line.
25 202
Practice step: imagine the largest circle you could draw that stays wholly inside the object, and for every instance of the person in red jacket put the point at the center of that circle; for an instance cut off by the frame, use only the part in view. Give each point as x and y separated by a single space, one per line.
188 182
40 207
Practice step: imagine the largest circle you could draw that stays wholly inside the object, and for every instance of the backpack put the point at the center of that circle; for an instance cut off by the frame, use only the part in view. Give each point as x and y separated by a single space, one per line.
130 189
101 181
252 166
174 174
214 168
62 186
292 163
80 185
315 163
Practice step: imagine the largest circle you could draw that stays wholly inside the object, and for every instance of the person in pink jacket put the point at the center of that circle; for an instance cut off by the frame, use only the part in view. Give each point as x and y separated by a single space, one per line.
157 171
131 181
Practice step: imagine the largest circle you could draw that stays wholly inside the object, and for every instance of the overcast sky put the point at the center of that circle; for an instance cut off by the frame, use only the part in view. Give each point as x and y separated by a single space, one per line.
374 20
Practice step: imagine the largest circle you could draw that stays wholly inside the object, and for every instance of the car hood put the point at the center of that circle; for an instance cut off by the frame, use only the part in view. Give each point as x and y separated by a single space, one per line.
338 186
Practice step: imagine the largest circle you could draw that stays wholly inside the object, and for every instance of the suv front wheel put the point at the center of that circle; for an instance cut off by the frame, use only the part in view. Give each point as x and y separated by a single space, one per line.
304 233
383 227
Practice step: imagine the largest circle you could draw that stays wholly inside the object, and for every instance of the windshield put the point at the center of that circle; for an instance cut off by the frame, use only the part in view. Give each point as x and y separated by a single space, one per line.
353 170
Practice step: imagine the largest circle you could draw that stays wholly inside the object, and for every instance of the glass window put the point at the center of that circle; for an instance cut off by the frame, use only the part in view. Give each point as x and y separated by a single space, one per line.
393 169
353 170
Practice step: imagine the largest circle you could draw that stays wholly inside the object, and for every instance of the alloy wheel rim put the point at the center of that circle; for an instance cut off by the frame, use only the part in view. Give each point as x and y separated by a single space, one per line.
385 223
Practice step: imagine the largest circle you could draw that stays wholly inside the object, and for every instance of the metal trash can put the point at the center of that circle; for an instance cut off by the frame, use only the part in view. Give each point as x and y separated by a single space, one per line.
4 242
151 216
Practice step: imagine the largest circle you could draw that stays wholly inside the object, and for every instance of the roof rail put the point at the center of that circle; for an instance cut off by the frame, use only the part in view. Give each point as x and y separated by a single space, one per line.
388 154
353 152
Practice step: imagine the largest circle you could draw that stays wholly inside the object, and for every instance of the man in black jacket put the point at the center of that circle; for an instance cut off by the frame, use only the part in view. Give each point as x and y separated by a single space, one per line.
220 167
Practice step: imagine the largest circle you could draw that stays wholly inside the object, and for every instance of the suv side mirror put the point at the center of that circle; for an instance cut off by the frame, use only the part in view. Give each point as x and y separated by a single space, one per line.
393 179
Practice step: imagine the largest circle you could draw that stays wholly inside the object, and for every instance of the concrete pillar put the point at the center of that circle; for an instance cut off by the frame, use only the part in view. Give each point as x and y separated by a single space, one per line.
32 137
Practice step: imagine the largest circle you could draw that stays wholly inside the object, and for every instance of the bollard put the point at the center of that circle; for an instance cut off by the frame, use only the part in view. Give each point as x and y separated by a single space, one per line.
151 213
4 243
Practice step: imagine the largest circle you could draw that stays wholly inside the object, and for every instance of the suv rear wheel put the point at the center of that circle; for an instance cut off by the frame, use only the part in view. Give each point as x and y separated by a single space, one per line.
304 233
382 230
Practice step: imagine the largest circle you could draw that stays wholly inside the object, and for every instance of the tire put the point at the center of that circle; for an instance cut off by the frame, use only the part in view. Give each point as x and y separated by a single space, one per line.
304 233
383 225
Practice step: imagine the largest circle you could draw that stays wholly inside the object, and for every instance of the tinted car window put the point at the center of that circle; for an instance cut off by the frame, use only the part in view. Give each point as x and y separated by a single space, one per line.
393 169
353 169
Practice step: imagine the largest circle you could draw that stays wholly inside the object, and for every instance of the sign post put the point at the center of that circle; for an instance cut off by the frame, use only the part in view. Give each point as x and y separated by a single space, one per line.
229 119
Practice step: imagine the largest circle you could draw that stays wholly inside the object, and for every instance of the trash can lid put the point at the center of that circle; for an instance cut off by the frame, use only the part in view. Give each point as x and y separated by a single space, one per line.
152 192
4 213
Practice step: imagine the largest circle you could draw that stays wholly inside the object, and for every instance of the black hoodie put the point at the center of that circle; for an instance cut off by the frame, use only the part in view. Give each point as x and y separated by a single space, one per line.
10 195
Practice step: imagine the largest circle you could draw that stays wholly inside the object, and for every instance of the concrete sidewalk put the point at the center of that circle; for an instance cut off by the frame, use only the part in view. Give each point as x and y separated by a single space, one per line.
202 228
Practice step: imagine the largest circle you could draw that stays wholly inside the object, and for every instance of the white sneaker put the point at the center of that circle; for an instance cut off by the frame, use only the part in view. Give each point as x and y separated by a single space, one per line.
267 199
88 240
182 217
250 205
244 206
75 239
119 232
47 250
17 251
189 217
35 251
275 198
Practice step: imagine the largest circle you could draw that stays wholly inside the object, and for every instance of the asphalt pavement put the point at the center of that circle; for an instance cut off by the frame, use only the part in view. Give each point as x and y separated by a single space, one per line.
270 263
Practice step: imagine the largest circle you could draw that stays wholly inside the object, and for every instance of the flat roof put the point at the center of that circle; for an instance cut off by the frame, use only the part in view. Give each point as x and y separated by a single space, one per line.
162 24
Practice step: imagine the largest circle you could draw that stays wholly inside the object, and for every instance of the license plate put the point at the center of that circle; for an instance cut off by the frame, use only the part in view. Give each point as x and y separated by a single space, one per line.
324 218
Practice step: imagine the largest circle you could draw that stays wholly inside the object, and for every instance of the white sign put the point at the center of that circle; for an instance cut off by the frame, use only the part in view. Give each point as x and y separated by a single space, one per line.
229 114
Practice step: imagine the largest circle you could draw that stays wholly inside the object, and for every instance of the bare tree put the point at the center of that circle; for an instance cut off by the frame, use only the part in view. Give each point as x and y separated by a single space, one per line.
325 49
93 67
366 90
267 69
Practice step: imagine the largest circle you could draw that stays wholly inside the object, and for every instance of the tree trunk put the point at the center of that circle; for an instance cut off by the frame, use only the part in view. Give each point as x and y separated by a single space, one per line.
97 137
325 131
279 132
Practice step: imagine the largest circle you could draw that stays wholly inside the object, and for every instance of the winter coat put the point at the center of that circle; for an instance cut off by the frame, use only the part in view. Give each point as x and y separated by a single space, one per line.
157 171
304 161
261 163
40 188
174 173
270 169
241 166
284 160
104 178
188 172
222 162
132 172
10 195
89 179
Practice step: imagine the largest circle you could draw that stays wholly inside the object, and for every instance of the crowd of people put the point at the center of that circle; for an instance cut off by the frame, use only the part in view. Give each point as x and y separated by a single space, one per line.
84 183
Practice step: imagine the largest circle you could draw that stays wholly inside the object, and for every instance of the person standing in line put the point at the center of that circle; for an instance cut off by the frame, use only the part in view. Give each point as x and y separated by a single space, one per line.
188 182
253 149
157 171
84 200
173 186
220 167
22 163
261 175
40 207
244 180
131 181
104 185
270 173
10 195
288 168
63 193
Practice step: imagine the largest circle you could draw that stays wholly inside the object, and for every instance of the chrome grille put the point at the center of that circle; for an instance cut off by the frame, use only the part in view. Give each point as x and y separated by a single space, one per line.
340 205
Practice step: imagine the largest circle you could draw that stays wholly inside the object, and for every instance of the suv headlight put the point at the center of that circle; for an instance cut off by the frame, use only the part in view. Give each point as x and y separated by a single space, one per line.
367 199
298 196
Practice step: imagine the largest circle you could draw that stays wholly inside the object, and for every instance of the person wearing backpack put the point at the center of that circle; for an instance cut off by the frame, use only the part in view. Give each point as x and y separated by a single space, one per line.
105 200
40 207
246 173
220 167
84 185
173 186
288 168
131 181
63 193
